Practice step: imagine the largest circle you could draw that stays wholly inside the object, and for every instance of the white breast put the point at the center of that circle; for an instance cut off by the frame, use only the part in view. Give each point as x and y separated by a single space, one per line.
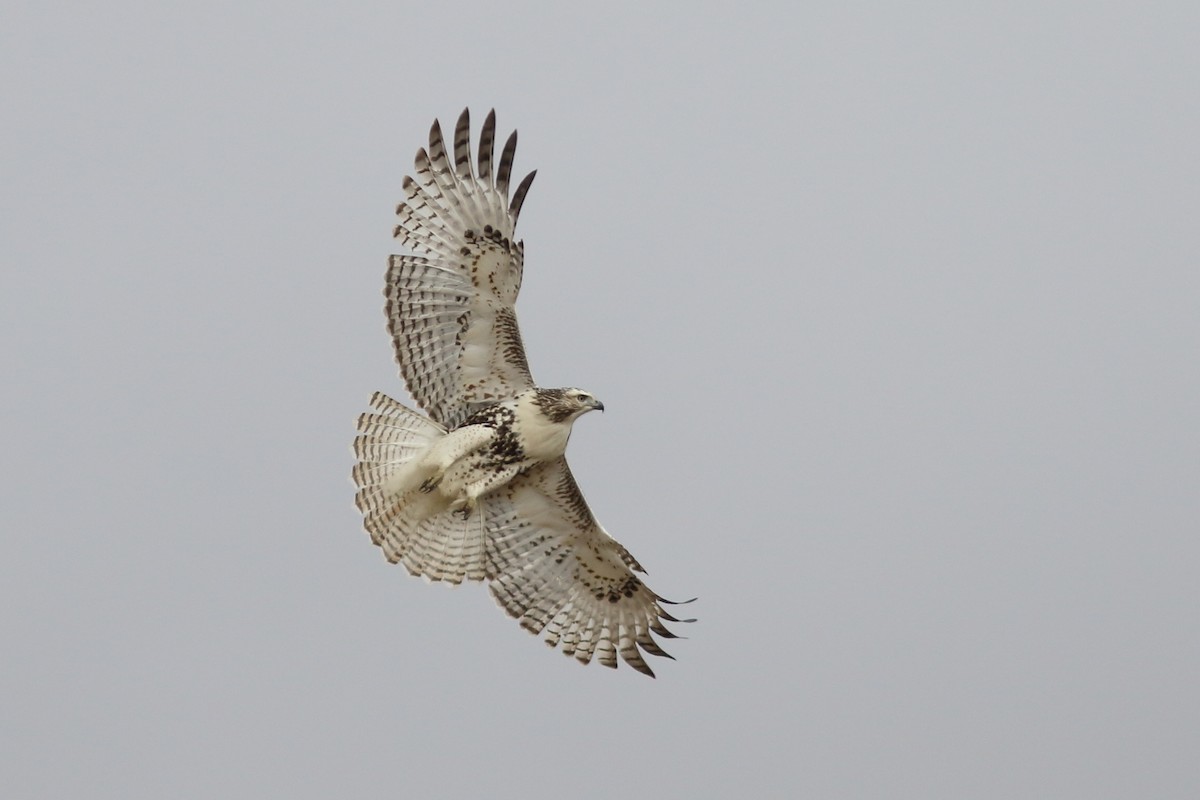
541 439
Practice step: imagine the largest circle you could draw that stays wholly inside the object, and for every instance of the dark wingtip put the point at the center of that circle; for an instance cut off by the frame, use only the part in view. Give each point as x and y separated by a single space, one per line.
665 632
514 208
667 616
506 161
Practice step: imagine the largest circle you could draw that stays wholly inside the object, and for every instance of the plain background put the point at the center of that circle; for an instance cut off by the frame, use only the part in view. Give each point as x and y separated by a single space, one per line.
895 309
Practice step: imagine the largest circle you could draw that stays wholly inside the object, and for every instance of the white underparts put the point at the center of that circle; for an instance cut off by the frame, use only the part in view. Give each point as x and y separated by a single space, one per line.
457 468
542 439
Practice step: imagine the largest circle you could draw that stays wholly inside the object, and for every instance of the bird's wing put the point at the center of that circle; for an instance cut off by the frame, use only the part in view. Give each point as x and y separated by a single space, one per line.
450 306
553 567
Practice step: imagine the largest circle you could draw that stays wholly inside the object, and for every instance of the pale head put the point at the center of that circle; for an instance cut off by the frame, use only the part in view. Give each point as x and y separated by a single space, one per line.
562 405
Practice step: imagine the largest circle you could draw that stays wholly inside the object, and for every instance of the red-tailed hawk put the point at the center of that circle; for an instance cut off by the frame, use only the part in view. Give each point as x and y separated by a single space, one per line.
480 488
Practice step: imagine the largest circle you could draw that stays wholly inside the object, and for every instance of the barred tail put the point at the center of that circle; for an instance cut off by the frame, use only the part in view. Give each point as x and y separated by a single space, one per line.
413 527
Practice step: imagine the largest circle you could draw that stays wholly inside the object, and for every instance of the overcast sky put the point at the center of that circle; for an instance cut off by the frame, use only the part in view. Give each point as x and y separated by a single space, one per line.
895 310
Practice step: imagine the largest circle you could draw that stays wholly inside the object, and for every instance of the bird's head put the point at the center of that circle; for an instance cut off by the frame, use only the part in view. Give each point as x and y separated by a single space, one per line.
585 400
561 405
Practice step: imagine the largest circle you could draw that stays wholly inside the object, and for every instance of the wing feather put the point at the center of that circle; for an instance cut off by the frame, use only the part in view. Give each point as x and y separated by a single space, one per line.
506 163
462 146
518 200
554 568
487 143
450 308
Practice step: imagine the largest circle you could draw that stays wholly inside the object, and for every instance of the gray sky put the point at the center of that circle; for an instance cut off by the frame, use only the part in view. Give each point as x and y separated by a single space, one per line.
894 309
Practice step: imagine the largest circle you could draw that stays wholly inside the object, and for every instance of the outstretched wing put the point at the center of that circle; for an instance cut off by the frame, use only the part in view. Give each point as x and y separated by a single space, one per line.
553 567
450 307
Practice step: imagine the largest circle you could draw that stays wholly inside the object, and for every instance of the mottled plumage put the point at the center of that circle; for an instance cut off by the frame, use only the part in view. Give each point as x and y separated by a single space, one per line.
480 489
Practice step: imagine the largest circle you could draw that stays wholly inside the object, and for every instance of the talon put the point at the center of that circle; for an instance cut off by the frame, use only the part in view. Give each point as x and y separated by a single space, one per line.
431 483
463 507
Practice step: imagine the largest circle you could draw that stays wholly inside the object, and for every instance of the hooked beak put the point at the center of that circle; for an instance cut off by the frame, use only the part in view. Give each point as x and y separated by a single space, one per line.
598 405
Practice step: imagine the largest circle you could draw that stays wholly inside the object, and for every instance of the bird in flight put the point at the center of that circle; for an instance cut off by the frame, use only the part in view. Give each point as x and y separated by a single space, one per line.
478 487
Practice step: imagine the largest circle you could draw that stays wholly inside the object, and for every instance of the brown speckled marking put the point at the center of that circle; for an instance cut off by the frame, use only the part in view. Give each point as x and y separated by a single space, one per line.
505 448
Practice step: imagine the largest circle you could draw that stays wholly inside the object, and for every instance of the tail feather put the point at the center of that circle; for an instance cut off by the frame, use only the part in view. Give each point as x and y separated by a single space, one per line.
412 527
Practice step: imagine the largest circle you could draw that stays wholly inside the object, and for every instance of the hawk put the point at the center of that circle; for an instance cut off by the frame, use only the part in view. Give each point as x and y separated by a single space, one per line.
478 487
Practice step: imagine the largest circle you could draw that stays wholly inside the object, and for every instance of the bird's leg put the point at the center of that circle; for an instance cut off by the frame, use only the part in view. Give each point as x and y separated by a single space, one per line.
432 481
451 449
464 505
